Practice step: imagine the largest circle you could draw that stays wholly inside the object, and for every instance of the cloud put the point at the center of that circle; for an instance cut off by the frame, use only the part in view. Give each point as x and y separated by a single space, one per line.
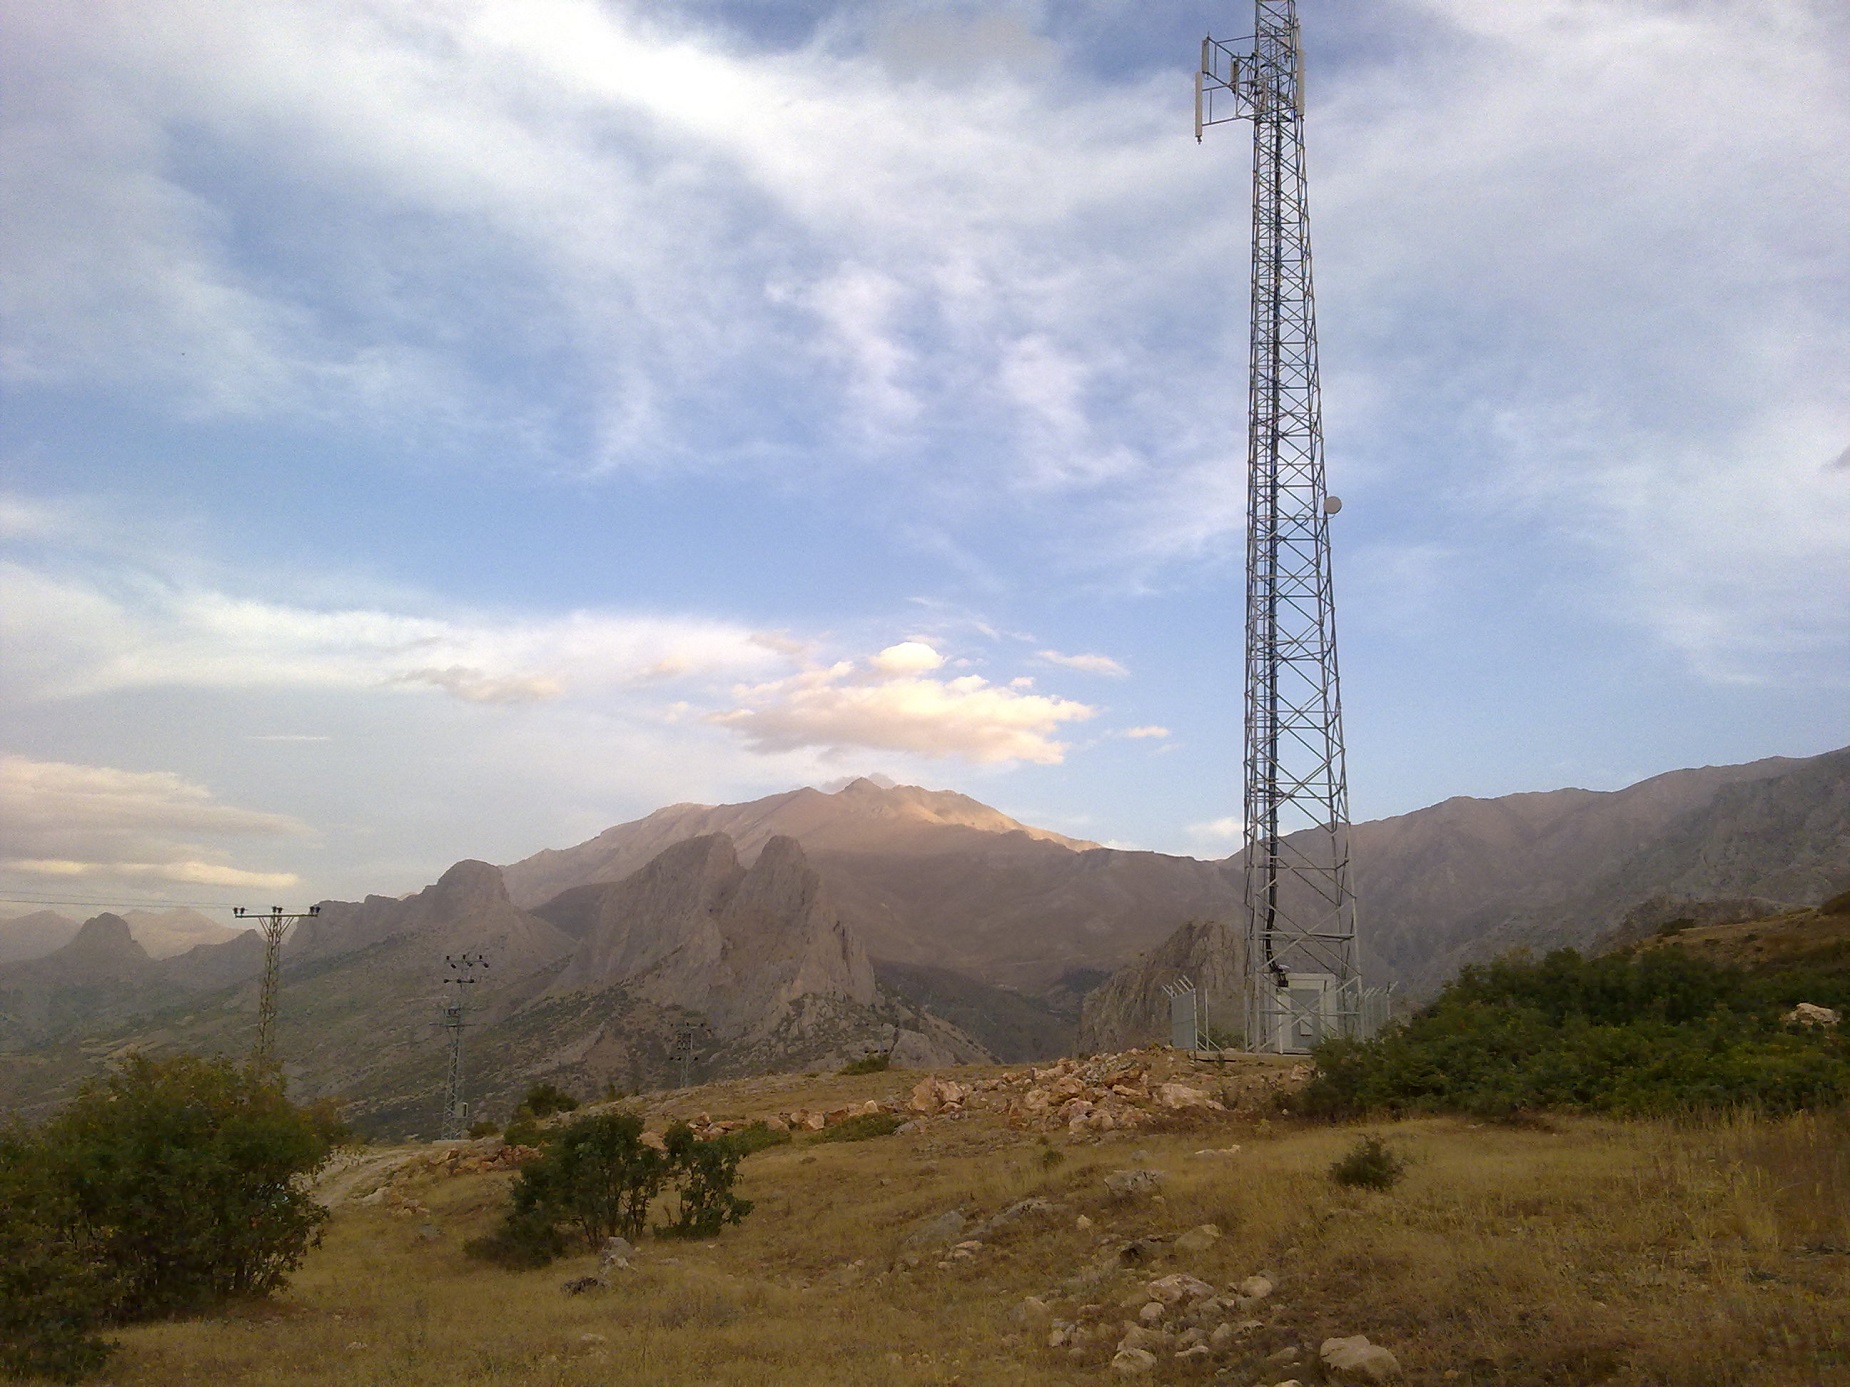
63 820
1227 830
85 634
1086 664
1142 732
474 686
908 657
889 707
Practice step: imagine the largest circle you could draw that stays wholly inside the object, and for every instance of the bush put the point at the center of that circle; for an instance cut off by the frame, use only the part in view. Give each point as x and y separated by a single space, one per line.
545 1099
597 1178
758 1137
862 1126
164 1186
876 1063
186 1174
55 1286
1660 1032
484 1128
1370 1164
705 1202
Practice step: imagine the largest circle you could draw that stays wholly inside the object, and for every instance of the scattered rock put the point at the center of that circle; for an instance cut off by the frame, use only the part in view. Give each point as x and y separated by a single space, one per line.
1284 1357
1198 1239
592 1339
1143 1336
429 1233
1178 1287
616 1253
940 1231
1255 1288
1194 1354
1132 1184
1020 1209
578 1285
1219 1151
1033 1310
1133 1362
1355 1360
1152 1312
1811 1014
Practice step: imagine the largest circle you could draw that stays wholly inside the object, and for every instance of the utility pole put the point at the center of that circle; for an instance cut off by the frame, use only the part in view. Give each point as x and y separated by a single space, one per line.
273 926
460 974
1303 980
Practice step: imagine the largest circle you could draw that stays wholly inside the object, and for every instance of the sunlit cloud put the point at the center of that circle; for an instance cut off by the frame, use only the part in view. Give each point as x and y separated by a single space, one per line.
888 705
1086 664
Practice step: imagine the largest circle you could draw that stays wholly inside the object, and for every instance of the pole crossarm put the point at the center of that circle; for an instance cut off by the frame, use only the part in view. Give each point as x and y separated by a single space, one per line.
273 924
1303 979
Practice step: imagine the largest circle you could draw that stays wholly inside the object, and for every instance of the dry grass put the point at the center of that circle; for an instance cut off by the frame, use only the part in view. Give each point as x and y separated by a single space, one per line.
1567 1252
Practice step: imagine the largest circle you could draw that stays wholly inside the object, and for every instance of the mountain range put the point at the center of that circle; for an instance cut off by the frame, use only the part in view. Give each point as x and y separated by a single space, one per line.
806 928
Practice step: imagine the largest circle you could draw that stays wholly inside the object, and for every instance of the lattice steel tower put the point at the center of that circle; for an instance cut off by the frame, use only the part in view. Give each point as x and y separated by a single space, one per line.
1303 980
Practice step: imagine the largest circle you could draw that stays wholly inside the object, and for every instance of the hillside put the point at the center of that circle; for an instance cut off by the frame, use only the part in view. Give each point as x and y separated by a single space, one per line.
969 1249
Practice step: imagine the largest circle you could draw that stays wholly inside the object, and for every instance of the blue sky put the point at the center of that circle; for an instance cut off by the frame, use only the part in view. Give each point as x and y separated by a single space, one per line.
445 429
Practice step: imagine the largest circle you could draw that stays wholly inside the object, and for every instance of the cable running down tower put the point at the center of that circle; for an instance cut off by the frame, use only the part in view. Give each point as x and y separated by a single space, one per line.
1302 974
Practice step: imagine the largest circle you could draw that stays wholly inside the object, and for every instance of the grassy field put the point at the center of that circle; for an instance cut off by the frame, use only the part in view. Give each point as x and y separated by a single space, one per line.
1572 1251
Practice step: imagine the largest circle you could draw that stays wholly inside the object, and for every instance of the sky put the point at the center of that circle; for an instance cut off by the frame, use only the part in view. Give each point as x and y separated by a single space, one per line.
445 428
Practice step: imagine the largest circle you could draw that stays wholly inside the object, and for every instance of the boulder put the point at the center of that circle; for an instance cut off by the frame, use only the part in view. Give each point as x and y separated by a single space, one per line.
1133 1362
1132 1184
1811 1014
1198 1239
1355 1360
1178 1287
1254 1288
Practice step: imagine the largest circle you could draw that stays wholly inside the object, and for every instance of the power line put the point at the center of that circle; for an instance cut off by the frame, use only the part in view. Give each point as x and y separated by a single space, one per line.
106 903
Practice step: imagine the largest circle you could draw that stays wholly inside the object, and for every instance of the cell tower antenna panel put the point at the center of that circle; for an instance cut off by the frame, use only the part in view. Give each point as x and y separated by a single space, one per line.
273 925
1302 975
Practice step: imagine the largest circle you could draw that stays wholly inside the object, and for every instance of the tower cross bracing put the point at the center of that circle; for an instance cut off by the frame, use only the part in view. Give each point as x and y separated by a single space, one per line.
1303 980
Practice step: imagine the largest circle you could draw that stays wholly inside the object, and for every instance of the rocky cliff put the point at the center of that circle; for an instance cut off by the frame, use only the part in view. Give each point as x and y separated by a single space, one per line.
1130 1008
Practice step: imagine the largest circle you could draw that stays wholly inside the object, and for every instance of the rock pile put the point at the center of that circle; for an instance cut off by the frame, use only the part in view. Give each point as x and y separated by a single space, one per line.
1103 1094
796 1120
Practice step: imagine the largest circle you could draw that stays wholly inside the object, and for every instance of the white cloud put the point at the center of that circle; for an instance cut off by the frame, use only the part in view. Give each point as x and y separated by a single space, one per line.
908 657
67 821
1139 733
84 635
884 709
474 686
1218 831
1086 664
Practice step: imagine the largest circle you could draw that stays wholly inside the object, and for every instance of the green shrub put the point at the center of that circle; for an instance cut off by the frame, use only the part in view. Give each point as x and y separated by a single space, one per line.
56 1288
1370 1164
861 1126
484 1128
757 1137
1658 1032
545 1099
186 1173
876 1063
705 1202
524 1239
597 1177
524 1131
164 1186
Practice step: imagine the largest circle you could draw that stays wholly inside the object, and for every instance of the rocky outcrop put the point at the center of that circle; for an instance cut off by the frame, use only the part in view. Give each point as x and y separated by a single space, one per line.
467 910
863 816
697 930
1131 1009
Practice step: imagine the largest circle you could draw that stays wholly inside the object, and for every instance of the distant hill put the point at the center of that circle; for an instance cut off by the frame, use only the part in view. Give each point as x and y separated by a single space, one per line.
863 816
34 935
162 933
1468 879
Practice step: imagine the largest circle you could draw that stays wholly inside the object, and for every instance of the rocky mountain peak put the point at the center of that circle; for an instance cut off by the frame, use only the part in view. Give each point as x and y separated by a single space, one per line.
105 936
468 885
